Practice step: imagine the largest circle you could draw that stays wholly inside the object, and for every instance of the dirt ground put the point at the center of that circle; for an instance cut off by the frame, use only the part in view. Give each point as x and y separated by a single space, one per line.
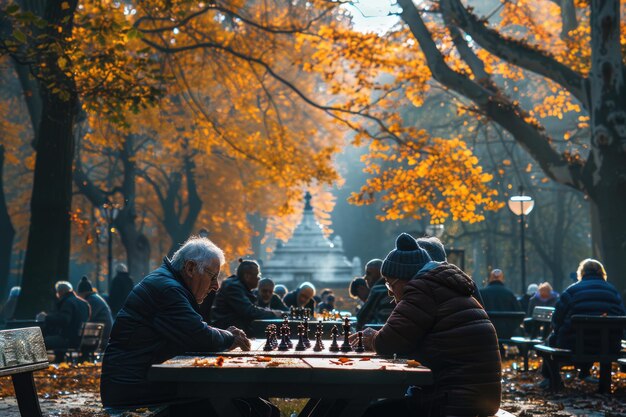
73 391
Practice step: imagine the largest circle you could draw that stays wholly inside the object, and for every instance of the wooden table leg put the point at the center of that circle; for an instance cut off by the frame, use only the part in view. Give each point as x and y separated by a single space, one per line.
309 407
26 394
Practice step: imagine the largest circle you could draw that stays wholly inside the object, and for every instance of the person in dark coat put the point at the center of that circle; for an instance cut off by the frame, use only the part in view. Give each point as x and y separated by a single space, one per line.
160 320
302 297
8 310
235 304
121 285
524 300
379 304
266 297
100 311
592 295
438 322
545 296
62 327
281 291
496 296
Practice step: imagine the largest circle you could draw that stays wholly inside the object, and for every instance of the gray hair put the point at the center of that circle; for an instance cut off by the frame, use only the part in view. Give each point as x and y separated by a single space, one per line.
63 286
121 267
307 284
199 250
15 291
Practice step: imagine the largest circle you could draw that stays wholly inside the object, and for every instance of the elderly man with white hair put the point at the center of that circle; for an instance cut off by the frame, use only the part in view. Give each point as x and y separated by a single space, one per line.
61 327
159 320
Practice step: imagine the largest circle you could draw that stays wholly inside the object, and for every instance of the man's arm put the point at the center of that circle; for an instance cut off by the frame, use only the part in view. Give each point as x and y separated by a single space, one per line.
407 324
179 322
278 304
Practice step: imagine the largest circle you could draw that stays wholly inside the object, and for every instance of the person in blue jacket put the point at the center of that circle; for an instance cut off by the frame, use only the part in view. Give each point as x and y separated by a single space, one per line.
592 295
159 320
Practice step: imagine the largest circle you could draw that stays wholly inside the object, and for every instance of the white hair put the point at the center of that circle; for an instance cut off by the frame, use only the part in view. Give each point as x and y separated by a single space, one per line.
307 284
15 291
121 267
198 249
63 286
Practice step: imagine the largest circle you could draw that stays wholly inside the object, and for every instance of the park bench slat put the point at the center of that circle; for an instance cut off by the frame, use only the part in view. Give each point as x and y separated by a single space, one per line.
23 351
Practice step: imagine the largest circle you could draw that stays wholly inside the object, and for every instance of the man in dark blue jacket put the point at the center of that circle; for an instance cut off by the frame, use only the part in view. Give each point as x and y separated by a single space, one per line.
62 327
160 320
235 304
592 296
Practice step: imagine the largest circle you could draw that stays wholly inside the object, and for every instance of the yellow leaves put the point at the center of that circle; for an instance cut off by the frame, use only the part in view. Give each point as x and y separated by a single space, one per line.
62 62
65 5
441 178
506 162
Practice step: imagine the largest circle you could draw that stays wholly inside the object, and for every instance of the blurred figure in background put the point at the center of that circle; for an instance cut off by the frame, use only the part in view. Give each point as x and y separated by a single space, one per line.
281 291
121 285
379 303
525 299
301 297
359 289
8 310
496 296
266 297
544 297
100 311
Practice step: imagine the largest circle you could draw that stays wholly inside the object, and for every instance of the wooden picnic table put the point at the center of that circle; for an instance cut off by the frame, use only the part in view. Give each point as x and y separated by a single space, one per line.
345 385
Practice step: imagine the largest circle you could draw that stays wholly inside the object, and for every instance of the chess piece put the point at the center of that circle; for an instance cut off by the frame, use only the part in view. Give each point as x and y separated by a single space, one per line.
283 346
345 346
268 342
274 336
300 346
319 345
287 331
292 313
334 333
305 329
359 346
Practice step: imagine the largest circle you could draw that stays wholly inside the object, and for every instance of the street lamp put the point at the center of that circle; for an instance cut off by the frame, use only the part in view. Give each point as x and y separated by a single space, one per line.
435 230
521 205
110 211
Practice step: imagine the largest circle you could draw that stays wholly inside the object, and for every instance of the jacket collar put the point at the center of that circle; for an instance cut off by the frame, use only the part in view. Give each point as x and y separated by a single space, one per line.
496 283
177 275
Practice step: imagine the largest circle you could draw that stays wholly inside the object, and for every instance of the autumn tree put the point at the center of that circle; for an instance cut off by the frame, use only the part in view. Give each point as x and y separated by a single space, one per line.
585 64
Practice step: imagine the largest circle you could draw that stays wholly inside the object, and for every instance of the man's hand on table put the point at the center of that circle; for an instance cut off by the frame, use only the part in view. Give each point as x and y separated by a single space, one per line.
368 338
241 340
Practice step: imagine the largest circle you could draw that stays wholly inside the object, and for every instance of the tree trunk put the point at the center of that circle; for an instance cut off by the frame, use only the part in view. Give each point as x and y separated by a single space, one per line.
7 234
48 247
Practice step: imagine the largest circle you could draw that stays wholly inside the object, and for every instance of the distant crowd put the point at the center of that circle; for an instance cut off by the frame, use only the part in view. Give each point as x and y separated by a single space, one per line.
425 307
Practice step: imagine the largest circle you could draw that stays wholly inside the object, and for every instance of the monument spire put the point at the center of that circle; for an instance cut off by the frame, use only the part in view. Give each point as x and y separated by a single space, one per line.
307 204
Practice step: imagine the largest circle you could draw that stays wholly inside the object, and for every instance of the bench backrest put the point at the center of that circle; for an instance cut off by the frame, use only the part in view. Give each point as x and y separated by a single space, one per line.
543 314
91 336
506 322
598 337
22 350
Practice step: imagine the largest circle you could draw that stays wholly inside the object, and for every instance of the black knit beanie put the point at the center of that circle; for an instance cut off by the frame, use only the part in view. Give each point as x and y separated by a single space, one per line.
405 260
84 285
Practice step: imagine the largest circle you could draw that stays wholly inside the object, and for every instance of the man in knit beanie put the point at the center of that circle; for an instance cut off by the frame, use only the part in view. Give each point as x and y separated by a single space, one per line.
438 322
100 311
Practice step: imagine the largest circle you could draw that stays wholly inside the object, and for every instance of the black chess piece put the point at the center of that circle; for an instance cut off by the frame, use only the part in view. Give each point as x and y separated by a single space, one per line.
334 333
292 312
268 342
287 331
305 329
274 339
300 346
283 346
345 346
359 346
319 345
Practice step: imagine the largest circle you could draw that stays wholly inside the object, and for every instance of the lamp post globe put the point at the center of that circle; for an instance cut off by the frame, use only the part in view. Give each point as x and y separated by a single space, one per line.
521 205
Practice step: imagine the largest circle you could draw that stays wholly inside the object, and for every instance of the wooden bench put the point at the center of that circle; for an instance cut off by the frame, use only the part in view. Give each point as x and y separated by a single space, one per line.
22 351
589 330
540 315
90 341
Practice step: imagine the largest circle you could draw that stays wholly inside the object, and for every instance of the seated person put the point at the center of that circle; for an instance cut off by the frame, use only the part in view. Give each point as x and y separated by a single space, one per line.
266 297
359 289
8 310
544 297
591 295
281 291
438 322
100 311
496 296
160 320
525 299
328 305
62 327
235 304
378 305
324 303
301 297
